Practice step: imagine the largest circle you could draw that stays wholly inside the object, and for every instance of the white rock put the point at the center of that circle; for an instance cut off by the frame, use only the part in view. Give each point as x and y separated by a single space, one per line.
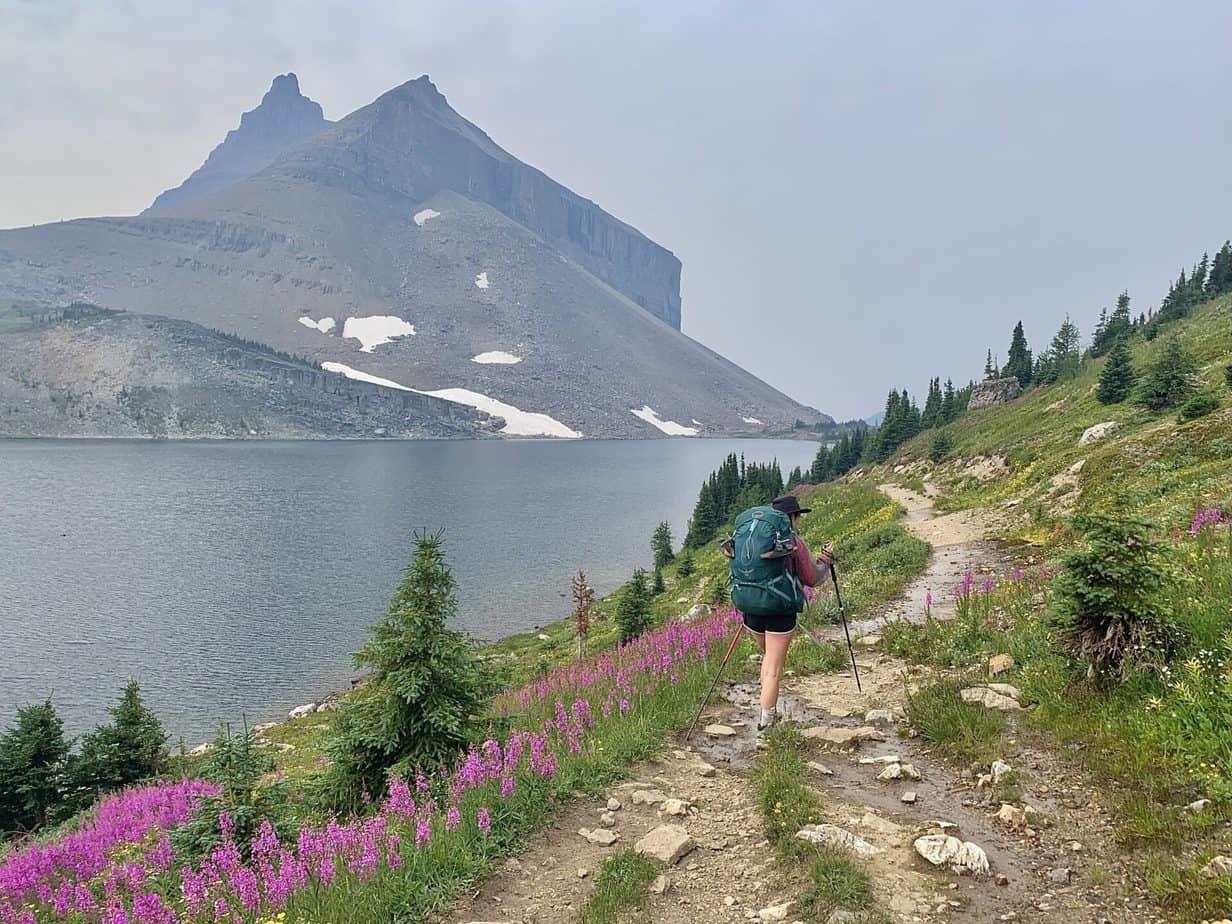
544 637
868 641
613 805
1006 689
719 731
705 770
608 819
1077 466
698 611
666 843
648 796
821 768
943 850
908 797
899 772
676 807
989 699
602 836
1219 867
1098 432
201 749
879 717
834 836
774 912
843 737
999 664
300 711
882 759
660 885
1198 805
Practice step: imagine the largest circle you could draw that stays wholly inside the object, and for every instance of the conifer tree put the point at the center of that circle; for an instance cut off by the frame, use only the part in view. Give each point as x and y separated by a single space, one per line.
1219 281
949 403
659 586
1018 364
425 698
32 759
661 545
1114 328
1172 379
685 568
130 749
796 477
1116 379
931 417
990 369
633 610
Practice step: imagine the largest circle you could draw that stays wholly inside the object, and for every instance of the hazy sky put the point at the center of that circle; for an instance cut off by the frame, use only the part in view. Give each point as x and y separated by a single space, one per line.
882 189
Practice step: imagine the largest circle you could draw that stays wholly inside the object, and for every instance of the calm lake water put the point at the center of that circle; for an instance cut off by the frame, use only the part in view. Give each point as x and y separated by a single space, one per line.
237 578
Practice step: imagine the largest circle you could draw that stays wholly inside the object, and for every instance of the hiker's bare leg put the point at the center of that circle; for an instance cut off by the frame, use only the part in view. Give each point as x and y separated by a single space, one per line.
774 645
760 639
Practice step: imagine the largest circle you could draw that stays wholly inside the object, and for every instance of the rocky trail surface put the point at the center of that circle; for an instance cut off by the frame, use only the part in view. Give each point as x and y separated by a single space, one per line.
1049 853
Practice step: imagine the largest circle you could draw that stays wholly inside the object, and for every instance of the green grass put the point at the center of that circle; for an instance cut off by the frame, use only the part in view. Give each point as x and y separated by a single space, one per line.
960 730
788 803
622 886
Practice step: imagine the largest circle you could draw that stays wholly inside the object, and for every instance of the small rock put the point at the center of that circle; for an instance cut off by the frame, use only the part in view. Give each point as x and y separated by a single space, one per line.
882 759
544 637
999 770
944 850
601 836
613 805
999 664
821 768
838 712
583 873
201 749
1011 816
698 611
1060 876
834 836
666 843
660 885
983 781
1077 467
263 727
774 912
843 737
1002 879
899 772
875 822
990 699
300 711
729 900
1075 846
719 731
675 807
1219 867
1197 806
608 819
1006 689
648 796
868 641
879 717
909 797
755 658
705 770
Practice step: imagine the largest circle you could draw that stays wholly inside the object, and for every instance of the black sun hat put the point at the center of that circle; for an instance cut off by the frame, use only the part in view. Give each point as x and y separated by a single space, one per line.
789 505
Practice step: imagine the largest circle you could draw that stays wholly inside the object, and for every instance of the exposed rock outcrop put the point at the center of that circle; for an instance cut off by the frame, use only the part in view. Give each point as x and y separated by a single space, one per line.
994 391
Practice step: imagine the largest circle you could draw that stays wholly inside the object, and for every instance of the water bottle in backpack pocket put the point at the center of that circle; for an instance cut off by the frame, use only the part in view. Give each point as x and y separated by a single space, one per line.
759 548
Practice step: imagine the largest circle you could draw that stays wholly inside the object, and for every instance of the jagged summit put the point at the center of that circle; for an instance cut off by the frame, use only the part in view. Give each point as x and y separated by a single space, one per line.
284 118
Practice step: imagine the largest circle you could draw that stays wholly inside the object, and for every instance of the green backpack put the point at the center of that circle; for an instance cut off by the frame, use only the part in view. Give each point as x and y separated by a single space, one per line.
760 548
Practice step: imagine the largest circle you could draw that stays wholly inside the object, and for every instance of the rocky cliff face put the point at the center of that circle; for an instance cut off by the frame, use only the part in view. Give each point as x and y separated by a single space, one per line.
994 391
284 119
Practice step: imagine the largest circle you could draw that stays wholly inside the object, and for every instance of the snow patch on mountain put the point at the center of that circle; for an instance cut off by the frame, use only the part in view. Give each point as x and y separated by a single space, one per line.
517 421
325 325
670 427
752 420
426 215
376 329
481 281
497 357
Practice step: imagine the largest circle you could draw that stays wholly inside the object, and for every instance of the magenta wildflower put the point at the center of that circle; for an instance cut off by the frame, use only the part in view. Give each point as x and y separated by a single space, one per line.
423 833
484 820
453 818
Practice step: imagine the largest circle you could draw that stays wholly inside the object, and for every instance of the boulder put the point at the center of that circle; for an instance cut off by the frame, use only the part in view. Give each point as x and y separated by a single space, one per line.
898 772
944 850
991 392
999 664
648 796
666 843
1005 689
838 838
989 699
698 611
774 912
1098 432
676 807
879 717
719 731
300 711
601 836
843 737
1218 868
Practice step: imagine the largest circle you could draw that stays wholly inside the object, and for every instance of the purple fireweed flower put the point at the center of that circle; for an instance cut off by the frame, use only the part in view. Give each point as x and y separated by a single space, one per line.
453 818
1204 517
423 833
988 586
483 820
506 787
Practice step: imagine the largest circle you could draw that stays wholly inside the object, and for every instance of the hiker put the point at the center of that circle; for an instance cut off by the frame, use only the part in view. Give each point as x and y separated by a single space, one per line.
768 588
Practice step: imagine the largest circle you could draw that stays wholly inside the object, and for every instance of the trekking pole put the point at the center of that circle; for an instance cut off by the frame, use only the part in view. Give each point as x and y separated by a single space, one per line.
702 707
847 632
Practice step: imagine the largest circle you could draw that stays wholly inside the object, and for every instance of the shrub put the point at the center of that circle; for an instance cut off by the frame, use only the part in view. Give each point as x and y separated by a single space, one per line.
1103 607
633 611
1227 376
659 586
1171 379
424 701
131 749
32 756
943 445
1116 379
685 568
1199 406
251 793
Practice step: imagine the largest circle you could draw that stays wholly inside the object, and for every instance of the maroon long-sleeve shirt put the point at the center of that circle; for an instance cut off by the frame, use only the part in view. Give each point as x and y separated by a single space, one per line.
803 566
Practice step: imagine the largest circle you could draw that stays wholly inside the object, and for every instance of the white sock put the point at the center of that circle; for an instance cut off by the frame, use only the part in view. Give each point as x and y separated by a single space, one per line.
768 716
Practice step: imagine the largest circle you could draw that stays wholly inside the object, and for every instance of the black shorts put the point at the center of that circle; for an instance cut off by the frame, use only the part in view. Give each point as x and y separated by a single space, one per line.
779 624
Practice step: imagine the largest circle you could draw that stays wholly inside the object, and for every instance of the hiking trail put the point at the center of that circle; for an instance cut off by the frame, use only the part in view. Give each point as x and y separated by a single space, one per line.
1058 865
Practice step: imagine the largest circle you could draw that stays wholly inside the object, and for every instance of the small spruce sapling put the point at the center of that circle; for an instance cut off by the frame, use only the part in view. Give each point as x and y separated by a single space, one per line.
633 610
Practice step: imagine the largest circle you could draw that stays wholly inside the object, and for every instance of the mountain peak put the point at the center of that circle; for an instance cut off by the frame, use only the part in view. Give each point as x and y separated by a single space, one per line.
284 118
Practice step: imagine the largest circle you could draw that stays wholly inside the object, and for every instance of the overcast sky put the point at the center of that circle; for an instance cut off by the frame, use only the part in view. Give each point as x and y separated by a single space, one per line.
877 190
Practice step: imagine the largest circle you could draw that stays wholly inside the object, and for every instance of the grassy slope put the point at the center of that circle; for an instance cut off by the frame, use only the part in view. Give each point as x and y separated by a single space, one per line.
1160 745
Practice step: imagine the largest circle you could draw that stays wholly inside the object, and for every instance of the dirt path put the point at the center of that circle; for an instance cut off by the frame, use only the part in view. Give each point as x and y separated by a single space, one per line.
1061 867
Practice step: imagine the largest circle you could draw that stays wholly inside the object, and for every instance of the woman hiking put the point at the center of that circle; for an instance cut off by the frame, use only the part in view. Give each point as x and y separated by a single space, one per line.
767 588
